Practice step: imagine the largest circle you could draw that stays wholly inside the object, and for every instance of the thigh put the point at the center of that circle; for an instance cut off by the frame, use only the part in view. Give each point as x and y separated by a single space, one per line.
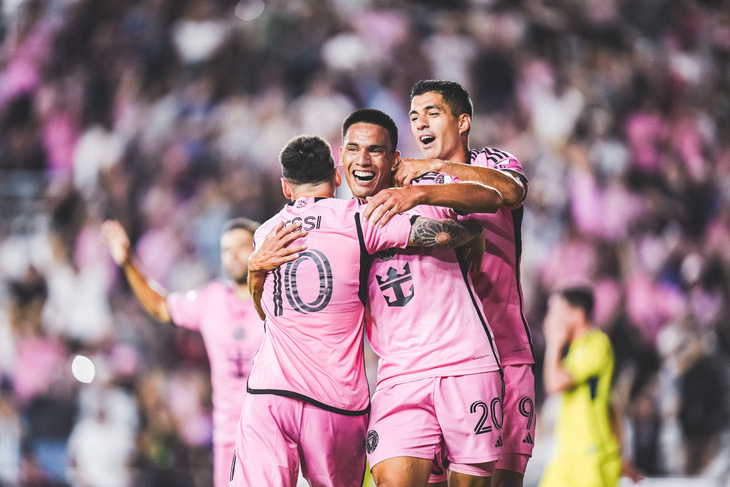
403 423
459 479
469 410
332 448
439 473
266 442
402 471
518 430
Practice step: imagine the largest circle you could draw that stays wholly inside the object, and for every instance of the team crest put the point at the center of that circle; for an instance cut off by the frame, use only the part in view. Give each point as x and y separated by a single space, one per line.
504 163
443 179
371 441
384 255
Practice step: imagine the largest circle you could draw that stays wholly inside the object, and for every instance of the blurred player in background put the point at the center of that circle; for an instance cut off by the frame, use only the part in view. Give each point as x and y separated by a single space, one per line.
308 396
222 311
587 450
441 120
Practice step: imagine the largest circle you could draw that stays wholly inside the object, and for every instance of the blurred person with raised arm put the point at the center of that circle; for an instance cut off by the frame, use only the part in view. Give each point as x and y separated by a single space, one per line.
222 311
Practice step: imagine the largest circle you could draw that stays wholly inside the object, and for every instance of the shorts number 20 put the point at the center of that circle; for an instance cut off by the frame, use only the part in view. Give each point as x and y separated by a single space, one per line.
496 413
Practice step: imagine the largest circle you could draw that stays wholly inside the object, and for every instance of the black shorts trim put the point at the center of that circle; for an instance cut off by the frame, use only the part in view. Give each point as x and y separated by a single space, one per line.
302 397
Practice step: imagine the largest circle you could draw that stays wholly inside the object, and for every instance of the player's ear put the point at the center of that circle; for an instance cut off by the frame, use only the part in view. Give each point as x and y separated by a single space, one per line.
338 178
396 160
464 123
285 188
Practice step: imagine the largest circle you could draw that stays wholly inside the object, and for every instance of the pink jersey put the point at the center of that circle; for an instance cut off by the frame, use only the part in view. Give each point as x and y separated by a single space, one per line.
232 332
498 281
424 318
313 347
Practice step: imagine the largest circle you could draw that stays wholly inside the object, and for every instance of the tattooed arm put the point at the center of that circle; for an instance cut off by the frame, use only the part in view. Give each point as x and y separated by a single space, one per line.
444 233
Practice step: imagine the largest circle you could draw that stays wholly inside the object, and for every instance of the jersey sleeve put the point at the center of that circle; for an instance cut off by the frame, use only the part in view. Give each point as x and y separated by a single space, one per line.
394 234
186 309
501 161
588 359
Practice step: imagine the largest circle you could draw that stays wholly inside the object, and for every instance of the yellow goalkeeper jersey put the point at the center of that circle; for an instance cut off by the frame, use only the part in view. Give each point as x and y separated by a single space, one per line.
587 451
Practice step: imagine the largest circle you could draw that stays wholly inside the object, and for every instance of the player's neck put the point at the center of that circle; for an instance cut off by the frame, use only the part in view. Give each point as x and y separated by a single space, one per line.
460 154
312 191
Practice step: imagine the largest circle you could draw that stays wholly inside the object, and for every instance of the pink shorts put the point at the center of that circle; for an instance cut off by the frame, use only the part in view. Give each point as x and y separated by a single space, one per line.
518 431
276 433
222 454
462 415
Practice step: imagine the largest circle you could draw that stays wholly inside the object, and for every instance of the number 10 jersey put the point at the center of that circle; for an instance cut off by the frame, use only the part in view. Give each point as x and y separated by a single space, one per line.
313 345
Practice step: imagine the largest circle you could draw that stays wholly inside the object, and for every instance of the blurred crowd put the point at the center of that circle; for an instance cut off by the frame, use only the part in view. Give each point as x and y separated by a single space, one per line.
169 115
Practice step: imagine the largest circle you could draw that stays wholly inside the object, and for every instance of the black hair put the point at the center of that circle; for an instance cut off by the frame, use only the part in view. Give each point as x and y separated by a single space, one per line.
307 159
454 95
240 223
375 117
580 297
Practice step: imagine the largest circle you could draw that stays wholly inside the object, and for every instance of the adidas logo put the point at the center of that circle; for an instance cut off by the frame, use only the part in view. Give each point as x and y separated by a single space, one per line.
499 441
528 440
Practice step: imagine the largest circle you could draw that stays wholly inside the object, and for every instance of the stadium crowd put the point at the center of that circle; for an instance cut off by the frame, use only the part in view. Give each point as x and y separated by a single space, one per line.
168 116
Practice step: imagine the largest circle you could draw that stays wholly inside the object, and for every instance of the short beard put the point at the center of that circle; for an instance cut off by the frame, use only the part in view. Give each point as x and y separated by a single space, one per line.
243 279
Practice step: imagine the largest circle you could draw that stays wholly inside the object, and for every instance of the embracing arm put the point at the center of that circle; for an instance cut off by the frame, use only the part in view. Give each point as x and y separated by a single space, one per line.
509 185
466 197
150 294
274 251
256 288
445 233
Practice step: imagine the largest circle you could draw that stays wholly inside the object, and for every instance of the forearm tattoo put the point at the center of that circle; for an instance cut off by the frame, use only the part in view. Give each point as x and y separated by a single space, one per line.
444 233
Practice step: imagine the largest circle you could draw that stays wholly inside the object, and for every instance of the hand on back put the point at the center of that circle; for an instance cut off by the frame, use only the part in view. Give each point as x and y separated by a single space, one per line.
276 250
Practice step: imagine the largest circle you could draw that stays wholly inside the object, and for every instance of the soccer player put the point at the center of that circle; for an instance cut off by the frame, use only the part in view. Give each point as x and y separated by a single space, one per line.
587 451
441 120
308 395
222 311
439 380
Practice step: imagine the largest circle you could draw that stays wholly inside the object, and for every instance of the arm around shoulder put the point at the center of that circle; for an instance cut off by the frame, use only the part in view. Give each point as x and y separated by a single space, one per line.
464 197
256 279
445 233
511 186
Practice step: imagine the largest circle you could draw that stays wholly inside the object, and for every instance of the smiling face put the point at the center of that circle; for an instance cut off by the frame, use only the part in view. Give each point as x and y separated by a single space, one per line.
236 246
439 133
368 157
